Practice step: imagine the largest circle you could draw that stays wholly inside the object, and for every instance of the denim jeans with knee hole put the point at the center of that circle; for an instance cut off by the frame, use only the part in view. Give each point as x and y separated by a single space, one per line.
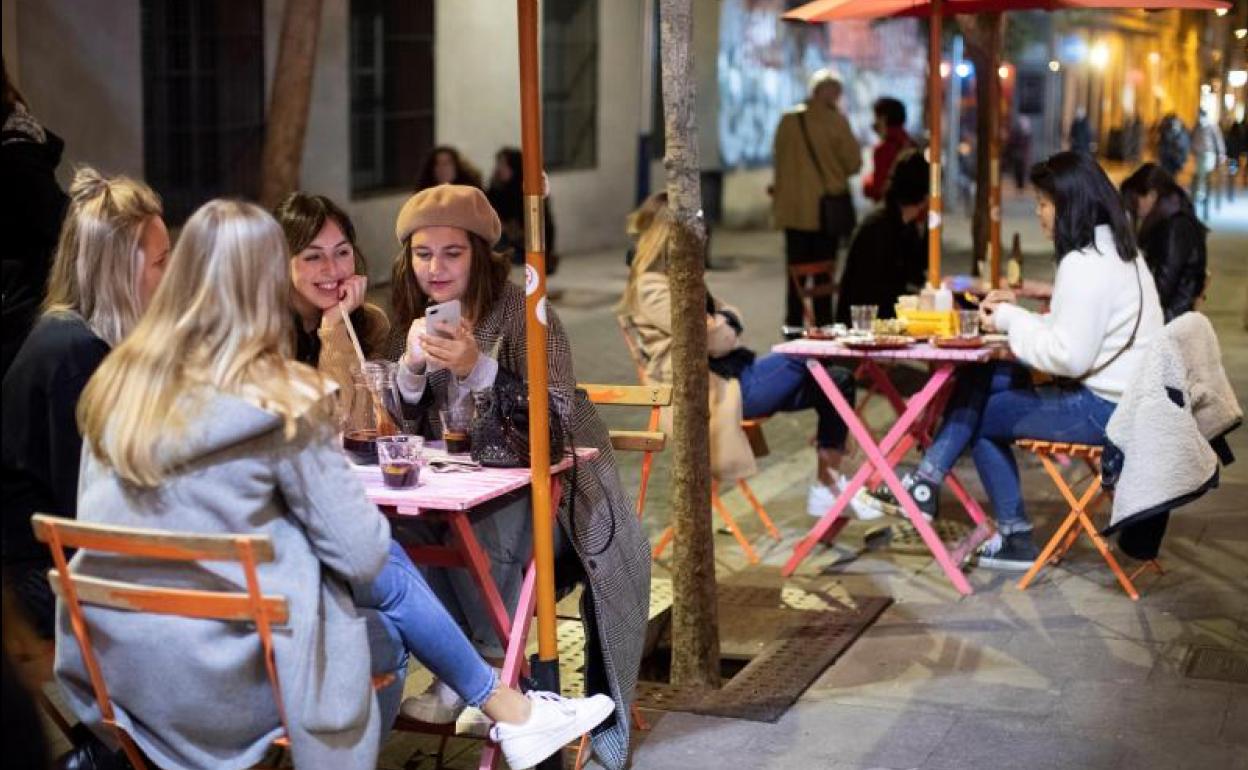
779 383
996 404
409 613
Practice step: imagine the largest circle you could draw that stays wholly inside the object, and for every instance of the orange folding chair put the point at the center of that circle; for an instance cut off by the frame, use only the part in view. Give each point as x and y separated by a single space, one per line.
264 611
758 443
1078 519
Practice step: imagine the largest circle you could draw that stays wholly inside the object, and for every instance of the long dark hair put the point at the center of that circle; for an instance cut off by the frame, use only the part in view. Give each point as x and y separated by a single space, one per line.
302 216
465 172
1171 198
1084 198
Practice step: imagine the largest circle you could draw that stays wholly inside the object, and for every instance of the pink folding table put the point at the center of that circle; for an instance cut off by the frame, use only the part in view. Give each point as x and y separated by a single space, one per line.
451 497
916 419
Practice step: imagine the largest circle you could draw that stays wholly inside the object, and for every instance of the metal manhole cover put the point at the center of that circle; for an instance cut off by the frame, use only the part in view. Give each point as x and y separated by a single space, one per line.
1217 664
906 539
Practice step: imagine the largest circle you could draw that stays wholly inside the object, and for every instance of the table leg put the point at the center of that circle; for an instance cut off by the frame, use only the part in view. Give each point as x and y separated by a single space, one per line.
877 463
517 638
478 565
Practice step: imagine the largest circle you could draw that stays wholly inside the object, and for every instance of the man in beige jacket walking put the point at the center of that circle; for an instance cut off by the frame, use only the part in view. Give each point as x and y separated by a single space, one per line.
815 153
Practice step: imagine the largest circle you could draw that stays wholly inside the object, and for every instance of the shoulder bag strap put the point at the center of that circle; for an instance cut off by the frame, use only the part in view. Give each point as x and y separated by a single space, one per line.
1139 283
810 148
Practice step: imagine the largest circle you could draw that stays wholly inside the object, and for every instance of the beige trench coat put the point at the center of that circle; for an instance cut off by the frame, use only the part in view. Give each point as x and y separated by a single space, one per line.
798 184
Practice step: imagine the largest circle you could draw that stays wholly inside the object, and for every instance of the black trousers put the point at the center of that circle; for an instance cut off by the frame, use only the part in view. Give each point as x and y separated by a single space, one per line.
803 247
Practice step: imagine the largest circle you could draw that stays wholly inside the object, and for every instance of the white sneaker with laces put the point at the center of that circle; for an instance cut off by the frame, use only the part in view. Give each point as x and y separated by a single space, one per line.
437 705
821 497
554 721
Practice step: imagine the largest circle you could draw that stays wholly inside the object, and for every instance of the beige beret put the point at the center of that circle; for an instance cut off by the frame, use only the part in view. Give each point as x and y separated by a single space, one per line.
449 205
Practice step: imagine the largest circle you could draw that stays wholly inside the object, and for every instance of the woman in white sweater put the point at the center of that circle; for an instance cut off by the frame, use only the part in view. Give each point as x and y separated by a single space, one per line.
1104 313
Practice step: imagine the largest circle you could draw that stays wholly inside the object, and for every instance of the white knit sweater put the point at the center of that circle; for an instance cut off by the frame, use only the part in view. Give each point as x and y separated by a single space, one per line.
1094 307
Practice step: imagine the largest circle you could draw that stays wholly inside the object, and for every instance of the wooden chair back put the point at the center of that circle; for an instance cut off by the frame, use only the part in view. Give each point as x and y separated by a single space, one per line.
811 280
76 590
654 396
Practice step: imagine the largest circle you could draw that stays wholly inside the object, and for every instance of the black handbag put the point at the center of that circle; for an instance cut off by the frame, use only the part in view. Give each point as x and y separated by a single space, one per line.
837 216
500 430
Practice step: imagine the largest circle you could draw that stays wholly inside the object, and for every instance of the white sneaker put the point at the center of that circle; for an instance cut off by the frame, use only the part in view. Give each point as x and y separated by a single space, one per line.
554 721
437 705
820 498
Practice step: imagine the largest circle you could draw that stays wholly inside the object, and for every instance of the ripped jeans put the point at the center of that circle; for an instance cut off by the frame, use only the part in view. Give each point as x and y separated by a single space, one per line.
990 408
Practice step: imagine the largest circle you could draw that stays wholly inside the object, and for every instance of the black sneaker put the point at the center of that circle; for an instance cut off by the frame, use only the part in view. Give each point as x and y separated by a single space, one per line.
926 496
1014 552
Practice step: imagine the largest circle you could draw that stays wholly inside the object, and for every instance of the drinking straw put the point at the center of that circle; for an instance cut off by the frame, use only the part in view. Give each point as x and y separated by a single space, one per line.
355 341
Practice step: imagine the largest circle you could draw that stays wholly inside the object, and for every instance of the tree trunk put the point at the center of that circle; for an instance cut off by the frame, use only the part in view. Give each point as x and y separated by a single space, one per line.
288 108
984 34
695 625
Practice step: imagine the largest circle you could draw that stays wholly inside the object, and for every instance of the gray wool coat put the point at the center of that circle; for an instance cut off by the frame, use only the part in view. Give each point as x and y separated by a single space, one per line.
608 539
193 693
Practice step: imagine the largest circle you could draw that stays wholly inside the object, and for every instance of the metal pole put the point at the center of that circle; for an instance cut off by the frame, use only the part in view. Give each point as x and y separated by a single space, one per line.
546 668
934 88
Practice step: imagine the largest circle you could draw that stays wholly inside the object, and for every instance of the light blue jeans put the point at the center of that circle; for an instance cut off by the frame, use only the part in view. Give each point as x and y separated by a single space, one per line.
404 616
990 408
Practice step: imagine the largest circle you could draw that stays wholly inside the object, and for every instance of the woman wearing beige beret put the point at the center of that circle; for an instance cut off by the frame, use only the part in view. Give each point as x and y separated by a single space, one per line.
446 233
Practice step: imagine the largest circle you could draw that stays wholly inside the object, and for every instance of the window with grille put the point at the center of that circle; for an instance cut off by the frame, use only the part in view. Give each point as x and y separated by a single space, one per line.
391 92
570 83
203 100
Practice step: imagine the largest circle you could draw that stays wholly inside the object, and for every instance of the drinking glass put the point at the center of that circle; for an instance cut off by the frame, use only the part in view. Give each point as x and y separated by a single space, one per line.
863 316
968 323
456 426
399 458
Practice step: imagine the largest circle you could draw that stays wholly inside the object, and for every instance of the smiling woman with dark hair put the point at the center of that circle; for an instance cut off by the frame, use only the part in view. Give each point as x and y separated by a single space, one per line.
1104 314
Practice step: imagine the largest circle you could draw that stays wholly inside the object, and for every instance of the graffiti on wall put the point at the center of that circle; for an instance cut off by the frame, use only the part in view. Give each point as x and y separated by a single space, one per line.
764 64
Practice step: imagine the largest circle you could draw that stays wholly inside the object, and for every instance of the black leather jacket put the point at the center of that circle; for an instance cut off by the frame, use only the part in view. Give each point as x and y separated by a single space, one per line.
1174 248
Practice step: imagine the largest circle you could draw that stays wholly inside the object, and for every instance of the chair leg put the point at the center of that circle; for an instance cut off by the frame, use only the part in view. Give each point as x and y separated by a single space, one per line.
665 540
1103 547
1059 537
647 462
718 504
758 508
582 753
642 723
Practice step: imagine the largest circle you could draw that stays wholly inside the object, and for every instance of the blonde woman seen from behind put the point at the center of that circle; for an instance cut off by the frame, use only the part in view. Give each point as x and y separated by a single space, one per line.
202 422
112 253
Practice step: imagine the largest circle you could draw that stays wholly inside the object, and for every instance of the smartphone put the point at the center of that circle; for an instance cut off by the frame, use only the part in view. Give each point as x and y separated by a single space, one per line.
442 319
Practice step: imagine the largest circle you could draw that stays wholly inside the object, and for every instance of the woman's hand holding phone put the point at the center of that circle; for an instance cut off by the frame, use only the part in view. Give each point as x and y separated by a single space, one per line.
457 352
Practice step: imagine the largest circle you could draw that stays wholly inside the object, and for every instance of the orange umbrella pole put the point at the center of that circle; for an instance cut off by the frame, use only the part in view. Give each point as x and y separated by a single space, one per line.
934 93
994 170
535 330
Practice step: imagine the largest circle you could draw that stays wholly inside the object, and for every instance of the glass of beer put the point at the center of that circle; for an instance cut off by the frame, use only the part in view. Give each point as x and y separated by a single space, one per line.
399 458
456 425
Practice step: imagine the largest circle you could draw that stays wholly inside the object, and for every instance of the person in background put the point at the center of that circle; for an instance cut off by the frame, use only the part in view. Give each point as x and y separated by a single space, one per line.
445 165
1133 138
1081 132
1172 144
111 256
1018 150
1170 235
815 154
888 253
445 234
890 124
1209 152
1104 314
201 422
506 196
742 386
32 206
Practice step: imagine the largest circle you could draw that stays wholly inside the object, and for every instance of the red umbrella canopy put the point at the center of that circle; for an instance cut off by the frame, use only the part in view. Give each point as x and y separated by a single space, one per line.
833 10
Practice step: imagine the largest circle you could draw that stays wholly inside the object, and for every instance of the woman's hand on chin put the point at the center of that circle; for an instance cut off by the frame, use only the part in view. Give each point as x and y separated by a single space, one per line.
458 353
350 296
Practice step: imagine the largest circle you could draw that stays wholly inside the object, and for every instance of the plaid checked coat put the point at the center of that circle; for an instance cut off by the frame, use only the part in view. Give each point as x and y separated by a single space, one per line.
614 552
